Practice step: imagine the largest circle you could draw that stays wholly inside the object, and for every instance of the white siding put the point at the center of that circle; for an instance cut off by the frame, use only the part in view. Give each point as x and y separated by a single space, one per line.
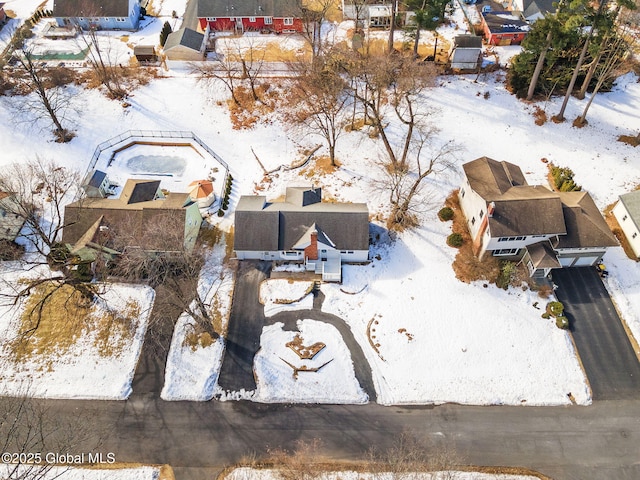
471 204
494 244
628 227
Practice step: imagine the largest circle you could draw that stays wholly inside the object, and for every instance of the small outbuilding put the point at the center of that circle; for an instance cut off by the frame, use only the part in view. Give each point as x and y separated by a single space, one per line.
145 53
466 53
627 212
185 45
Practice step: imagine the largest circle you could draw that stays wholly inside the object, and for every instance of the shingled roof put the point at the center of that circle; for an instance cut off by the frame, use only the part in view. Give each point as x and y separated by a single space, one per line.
520 209
91 8
248 8
264 226
136 209
585 225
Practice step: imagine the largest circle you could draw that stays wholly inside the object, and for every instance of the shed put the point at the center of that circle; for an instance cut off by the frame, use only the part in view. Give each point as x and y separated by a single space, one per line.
466 53
145 53
186 45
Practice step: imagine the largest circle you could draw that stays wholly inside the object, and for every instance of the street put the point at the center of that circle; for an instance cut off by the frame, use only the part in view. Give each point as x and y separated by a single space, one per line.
598 442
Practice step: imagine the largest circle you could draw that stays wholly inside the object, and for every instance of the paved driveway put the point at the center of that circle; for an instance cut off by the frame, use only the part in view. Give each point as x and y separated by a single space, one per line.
245 326
609 360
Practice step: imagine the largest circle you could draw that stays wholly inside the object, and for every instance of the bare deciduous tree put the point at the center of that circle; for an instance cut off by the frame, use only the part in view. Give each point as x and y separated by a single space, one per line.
102 62
396 81
158 255
50 102
223 69
319 99
29 431
40 190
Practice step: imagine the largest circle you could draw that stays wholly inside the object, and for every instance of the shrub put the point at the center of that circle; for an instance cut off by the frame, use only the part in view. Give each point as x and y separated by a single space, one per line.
445 214
507 272
562 322
563 179
555 309
164 33
546 316
221 213
455 240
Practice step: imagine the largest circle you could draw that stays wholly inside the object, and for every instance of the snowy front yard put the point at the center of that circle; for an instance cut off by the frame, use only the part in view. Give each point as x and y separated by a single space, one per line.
91 354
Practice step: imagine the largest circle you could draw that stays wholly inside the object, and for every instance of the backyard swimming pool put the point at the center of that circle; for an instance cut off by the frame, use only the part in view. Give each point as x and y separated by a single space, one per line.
165 165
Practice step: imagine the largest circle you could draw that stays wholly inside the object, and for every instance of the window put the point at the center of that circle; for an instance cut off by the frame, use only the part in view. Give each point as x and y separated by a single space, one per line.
473 221
252 19
481 214
288 21
81 19
121 19
268 20
624 218
505 251
211 19
511 239
462 192
635 234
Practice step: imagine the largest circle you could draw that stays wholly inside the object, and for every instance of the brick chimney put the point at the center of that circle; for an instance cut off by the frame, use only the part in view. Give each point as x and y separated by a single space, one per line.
477 242
311 252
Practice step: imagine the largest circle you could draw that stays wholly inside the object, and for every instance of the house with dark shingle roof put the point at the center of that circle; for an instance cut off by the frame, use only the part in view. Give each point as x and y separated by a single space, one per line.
510 219
302 229
627 212
142 214
98 14
278 16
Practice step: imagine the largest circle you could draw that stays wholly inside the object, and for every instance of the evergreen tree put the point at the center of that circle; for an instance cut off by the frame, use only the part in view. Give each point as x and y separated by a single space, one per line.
164 33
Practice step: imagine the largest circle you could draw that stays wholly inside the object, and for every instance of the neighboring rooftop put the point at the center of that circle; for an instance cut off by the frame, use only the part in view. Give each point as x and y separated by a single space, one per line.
91 8
261 225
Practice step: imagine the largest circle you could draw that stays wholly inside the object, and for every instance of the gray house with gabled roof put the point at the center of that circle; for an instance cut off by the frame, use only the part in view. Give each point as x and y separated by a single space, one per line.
302 229
510 219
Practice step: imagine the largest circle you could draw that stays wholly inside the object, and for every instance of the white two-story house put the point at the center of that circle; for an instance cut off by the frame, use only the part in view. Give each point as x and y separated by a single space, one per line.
510 219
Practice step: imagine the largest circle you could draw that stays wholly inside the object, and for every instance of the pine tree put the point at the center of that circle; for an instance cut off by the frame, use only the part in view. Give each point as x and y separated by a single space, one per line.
164 33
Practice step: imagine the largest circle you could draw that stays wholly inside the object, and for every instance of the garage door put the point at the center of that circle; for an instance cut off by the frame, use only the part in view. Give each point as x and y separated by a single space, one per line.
585 261
566 261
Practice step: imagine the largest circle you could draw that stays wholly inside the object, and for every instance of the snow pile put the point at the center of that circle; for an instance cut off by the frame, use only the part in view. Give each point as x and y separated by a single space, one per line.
282 375
279 295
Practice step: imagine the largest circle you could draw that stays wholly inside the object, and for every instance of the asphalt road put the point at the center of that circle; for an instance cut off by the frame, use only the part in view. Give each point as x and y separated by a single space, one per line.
607 355
598 442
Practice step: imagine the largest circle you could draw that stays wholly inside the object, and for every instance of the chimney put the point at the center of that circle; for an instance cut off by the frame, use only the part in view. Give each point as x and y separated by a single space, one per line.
311 252
491 208
477 242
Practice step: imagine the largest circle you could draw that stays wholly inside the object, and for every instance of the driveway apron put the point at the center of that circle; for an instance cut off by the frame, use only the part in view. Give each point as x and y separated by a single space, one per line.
606 352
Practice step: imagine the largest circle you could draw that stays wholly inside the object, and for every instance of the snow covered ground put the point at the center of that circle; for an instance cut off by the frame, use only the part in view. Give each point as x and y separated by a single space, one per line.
428 337
83 369
72 473
192 371
255 474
